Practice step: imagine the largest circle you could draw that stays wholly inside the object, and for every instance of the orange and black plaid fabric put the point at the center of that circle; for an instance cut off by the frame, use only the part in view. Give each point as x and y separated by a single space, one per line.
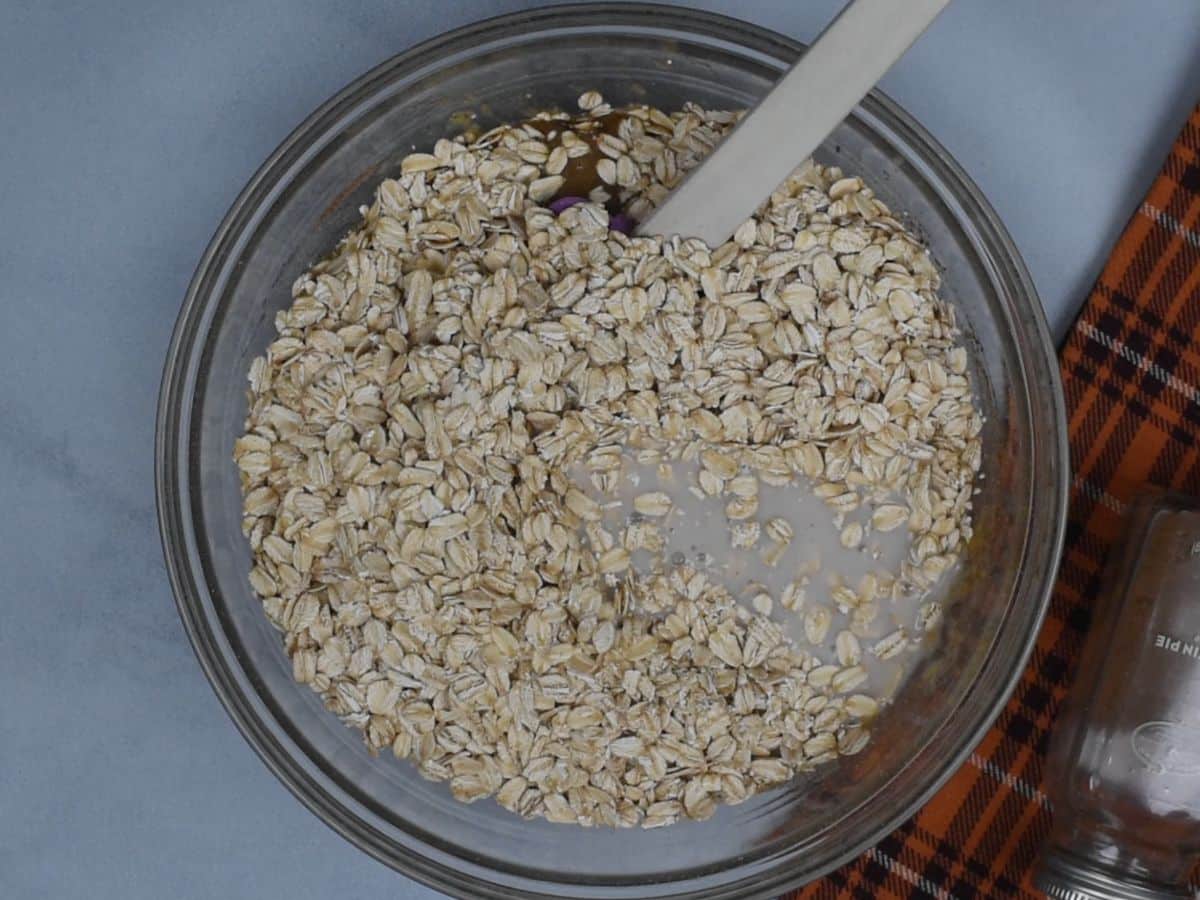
1131 372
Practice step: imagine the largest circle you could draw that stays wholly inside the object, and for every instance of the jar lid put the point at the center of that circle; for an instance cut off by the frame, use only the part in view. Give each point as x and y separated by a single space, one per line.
1069 877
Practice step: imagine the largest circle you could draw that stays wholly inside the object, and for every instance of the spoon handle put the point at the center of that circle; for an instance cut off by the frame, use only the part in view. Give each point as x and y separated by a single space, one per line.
789 123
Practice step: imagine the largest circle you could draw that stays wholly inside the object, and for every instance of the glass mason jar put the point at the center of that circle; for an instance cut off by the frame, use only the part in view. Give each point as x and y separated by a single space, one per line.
1124 766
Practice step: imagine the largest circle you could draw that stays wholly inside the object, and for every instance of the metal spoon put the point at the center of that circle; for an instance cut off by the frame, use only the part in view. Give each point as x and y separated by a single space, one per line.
789 123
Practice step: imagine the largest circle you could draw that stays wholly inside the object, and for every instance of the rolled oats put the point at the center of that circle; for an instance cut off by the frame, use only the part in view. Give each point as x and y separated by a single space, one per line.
451 391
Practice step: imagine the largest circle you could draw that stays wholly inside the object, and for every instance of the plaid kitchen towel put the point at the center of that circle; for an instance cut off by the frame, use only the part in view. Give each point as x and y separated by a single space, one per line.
1131 372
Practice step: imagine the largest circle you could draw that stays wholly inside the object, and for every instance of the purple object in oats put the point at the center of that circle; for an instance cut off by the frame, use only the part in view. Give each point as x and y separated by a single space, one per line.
622 223
557 206
617 222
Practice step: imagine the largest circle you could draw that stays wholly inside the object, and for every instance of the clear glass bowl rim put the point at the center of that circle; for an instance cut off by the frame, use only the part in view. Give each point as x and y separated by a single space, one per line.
185 358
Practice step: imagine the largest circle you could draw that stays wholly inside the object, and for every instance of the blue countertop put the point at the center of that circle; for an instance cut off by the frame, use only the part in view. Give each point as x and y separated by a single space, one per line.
128 128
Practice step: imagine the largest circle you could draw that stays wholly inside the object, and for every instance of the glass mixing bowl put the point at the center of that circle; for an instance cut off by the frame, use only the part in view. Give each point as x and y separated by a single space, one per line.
307 196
